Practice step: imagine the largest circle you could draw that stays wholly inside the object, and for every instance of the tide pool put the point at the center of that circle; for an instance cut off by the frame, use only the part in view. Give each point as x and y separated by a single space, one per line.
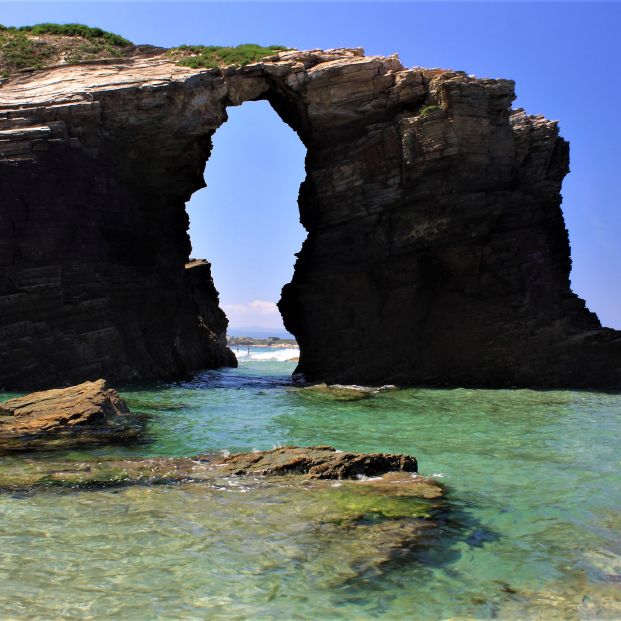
531 527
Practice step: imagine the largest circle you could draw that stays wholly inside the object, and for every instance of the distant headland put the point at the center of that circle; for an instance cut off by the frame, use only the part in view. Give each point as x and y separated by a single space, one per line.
270 341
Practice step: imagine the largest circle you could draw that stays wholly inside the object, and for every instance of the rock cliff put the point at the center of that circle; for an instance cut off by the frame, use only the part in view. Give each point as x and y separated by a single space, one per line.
436 253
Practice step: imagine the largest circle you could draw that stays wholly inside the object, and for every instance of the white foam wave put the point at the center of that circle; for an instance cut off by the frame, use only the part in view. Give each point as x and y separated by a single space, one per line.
351 388
359 388
280 355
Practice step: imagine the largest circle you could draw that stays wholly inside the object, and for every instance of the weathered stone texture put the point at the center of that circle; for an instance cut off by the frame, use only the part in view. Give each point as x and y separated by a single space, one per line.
436 253
89 413
318 462
385 473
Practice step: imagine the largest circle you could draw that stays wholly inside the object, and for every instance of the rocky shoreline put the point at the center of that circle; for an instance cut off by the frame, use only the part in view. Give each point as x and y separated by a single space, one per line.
378 500
273 342
92 413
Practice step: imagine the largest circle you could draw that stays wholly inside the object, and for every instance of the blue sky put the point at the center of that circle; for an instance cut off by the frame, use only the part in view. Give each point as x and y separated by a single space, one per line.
563 56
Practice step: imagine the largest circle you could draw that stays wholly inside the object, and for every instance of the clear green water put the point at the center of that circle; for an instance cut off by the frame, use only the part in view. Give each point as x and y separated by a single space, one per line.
531 528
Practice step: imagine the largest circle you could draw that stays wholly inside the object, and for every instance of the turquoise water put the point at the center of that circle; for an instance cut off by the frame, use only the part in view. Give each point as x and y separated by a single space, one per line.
531 528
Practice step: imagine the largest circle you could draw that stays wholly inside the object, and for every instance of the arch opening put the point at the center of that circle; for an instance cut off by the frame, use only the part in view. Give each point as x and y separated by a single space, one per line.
246 222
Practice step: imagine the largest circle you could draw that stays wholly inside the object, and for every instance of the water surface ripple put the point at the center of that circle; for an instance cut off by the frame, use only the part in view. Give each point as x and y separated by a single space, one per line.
531 529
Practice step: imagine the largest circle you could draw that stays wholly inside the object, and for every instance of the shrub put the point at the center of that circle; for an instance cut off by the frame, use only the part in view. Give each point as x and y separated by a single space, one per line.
76 30
212 56
20 49
17 51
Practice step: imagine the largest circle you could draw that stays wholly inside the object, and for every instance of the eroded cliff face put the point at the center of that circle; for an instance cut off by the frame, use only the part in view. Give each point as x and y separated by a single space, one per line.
436 252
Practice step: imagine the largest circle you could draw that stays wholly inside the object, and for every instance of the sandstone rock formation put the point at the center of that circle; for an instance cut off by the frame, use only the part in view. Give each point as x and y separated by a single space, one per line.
379 517
318 462
436 253
394 474
90 413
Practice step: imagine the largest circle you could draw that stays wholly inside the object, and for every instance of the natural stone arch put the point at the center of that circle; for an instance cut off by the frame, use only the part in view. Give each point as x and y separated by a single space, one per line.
436 250
246 222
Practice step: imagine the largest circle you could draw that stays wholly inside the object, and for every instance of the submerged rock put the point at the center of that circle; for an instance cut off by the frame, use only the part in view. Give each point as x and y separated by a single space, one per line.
358 524
89 413
340 392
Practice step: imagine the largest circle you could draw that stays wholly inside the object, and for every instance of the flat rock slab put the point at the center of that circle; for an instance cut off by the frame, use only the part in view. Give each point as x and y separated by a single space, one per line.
311 466
318 462
89 413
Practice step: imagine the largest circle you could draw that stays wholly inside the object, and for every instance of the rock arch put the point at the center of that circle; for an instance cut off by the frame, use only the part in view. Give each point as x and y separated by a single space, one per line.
246 221
436 253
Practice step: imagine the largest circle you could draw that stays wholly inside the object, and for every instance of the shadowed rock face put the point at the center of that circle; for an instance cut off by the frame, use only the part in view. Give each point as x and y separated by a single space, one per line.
436 252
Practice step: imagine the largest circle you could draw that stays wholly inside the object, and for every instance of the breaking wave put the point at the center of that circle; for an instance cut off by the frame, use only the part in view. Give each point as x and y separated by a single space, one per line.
279 355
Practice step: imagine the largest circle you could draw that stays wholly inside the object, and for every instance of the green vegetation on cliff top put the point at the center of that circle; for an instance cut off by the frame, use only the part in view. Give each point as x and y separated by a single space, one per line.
34 47
70 30
42 45
212 56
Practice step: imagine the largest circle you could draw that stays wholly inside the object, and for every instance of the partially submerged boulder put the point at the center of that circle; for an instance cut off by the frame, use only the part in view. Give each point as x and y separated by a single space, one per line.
314 466
358 524
89 413
318 462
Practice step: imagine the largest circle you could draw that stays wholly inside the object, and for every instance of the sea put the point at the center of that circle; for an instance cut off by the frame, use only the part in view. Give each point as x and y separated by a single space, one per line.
529 528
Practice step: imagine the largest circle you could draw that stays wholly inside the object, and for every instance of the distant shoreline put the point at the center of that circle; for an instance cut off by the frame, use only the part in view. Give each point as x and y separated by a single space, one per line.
249 341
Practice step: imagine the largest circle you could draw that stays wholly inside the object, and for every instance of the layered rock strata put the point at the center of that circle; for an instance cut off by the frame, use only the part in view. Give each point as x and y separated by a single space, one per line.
381 518
436 253
318 462
86 414
393 474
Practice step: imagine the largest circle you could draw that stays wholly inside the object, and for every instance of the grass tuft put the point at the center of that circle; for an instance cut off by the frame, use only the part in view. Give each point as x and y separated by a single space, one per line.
425 110
212 56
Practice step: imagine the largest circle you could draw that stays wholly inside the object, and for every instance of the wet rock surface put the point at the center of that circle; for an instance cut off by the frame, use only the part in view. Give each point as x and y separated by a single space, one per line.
358 526
318 462
436 254
289 465
89 413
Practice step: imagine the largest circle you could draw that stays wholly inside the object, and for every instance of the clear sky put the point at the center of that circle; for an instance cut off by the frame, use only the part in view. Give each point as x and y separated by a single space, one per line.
564 56
246 220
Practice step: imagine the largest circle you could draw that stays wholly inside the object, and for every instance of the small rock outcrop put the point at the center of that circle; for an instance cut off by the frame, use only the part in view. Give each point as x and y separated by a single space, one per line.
90 413
436 254
384 473
384 517
318 462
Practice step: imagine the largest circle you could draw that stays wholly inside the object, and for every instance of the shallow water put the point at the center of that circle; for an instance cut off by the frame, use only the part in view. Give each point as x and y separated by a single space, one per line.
531 528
